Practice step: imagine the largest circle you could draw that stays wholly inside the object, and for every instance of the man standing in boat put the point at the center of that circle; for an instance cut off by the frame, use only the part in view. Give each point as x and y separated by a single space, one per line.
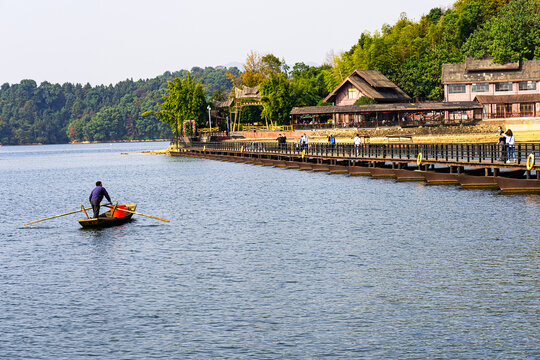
96 196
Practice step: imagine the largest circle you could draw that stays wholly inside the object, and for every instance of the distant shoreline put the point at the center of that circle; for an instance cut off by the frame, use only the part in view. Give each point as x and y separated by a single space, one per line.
90 142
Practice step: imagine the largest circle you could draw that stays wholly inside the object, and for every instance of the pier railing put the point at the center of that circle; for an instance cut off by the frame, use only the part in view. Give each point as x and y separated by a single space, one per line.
474 153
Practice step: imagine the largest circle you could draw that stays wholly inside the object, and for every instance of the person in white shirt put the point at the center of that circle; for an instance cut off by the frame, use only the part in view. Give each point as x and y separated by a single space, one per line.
357 142
510 145
305 142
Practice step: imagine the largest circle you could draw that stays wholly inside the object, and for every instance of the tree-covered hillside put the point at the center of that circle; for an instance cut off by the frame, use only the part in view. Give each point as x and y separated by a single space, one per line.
53 113
411 53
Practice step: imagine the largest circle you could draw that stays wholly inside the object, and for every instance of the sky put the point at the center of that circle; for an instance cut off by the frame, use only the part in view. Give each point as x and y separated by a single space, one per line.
107 41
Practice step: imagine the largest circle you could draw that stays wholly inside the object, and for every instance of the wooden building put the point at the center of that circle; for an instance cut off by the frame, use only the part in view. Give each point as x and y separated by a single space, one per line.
391 114
392 106
366 83
505 91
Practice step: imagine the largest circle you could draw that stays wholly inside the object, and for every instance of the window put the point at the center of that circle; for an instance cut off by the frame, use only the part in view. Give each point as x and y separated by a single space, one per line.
504 109
503 86
483 87
526 109
527 85
352 94
456 88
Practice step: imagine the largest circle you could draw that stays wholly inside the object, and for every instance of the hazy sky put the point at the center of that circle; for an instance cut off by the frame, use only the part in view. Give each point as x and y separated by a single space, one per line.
106 41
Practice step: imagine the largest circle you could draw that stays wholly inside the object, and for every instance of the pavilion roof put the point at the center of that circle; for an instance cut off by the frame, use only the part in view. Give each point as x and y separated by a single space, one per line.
246 92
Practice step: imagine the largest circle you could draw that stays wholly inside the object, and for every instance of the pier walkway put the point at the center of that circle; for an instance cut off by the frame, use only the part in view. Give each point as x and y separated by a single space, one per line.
471 165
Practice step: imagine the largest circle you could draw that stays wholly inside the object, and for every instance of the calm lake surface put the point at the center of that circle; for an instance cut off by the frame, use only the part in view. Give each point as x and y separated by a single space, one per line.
259 263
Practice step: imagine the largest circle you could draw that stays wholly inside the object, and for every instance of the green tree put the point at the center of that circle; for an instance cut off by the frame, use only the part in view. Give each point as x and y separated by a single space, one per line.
105 125
364 100
185 100
276 98
512 35
308 86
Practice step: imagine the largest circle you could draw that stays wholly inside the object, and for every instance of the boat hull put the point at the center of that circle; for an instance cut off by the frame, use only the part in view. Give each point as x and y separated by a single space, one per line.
105 220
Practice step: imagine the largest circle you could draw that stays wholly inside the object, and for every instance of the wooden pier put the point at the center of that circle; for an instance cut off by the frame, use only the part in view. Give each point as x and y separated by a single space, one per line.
468 165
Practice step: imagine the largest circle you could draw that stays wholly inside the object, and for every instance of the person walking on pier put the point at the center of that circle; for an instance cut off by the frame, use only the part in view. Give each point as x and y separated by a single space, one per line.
510 145
502 145
304 141
332 142
357 142
283 142
280 142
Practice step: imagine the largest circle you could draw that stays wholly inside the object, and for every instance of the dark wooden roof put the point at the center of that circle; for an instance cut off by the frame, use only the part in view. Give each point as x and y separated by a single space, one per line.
375 78
245 92
374 84
481 72
223 104
397 107
472 64
508 99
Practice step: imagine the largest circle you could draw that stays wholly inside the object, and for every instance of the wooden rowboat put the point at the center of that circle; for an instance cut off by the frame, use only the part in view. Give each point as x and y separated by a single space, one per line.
107 219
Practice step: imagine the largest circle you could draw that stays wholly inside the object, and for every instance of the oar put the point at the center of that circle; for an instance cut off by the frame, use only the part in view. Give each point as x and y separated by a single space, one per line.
137 213
52 217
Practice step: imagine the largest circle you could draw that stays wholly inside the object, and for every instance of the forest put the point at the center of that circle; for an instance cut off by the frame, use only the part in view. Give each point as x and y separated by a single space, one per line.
410 53
53 113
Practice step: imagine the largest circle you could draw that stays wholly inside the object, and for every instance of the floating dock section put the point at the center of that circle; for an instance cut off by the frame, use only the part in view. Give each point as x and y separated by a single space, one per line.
467 165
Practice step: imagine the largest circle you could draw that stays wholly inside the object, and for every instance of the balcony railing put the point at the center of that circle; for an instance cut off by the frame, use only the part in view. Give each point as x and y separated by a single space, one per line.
500 115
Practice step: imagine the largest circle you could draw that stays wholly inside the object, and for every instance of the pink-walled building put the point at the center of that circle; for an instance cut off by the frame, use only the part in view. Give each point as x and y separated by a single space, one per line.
390 106
505 90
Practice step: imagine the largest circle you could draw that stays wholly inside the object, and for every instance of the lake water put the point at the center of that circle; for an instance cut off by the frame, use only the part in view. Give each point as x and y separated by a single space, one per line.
259 263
